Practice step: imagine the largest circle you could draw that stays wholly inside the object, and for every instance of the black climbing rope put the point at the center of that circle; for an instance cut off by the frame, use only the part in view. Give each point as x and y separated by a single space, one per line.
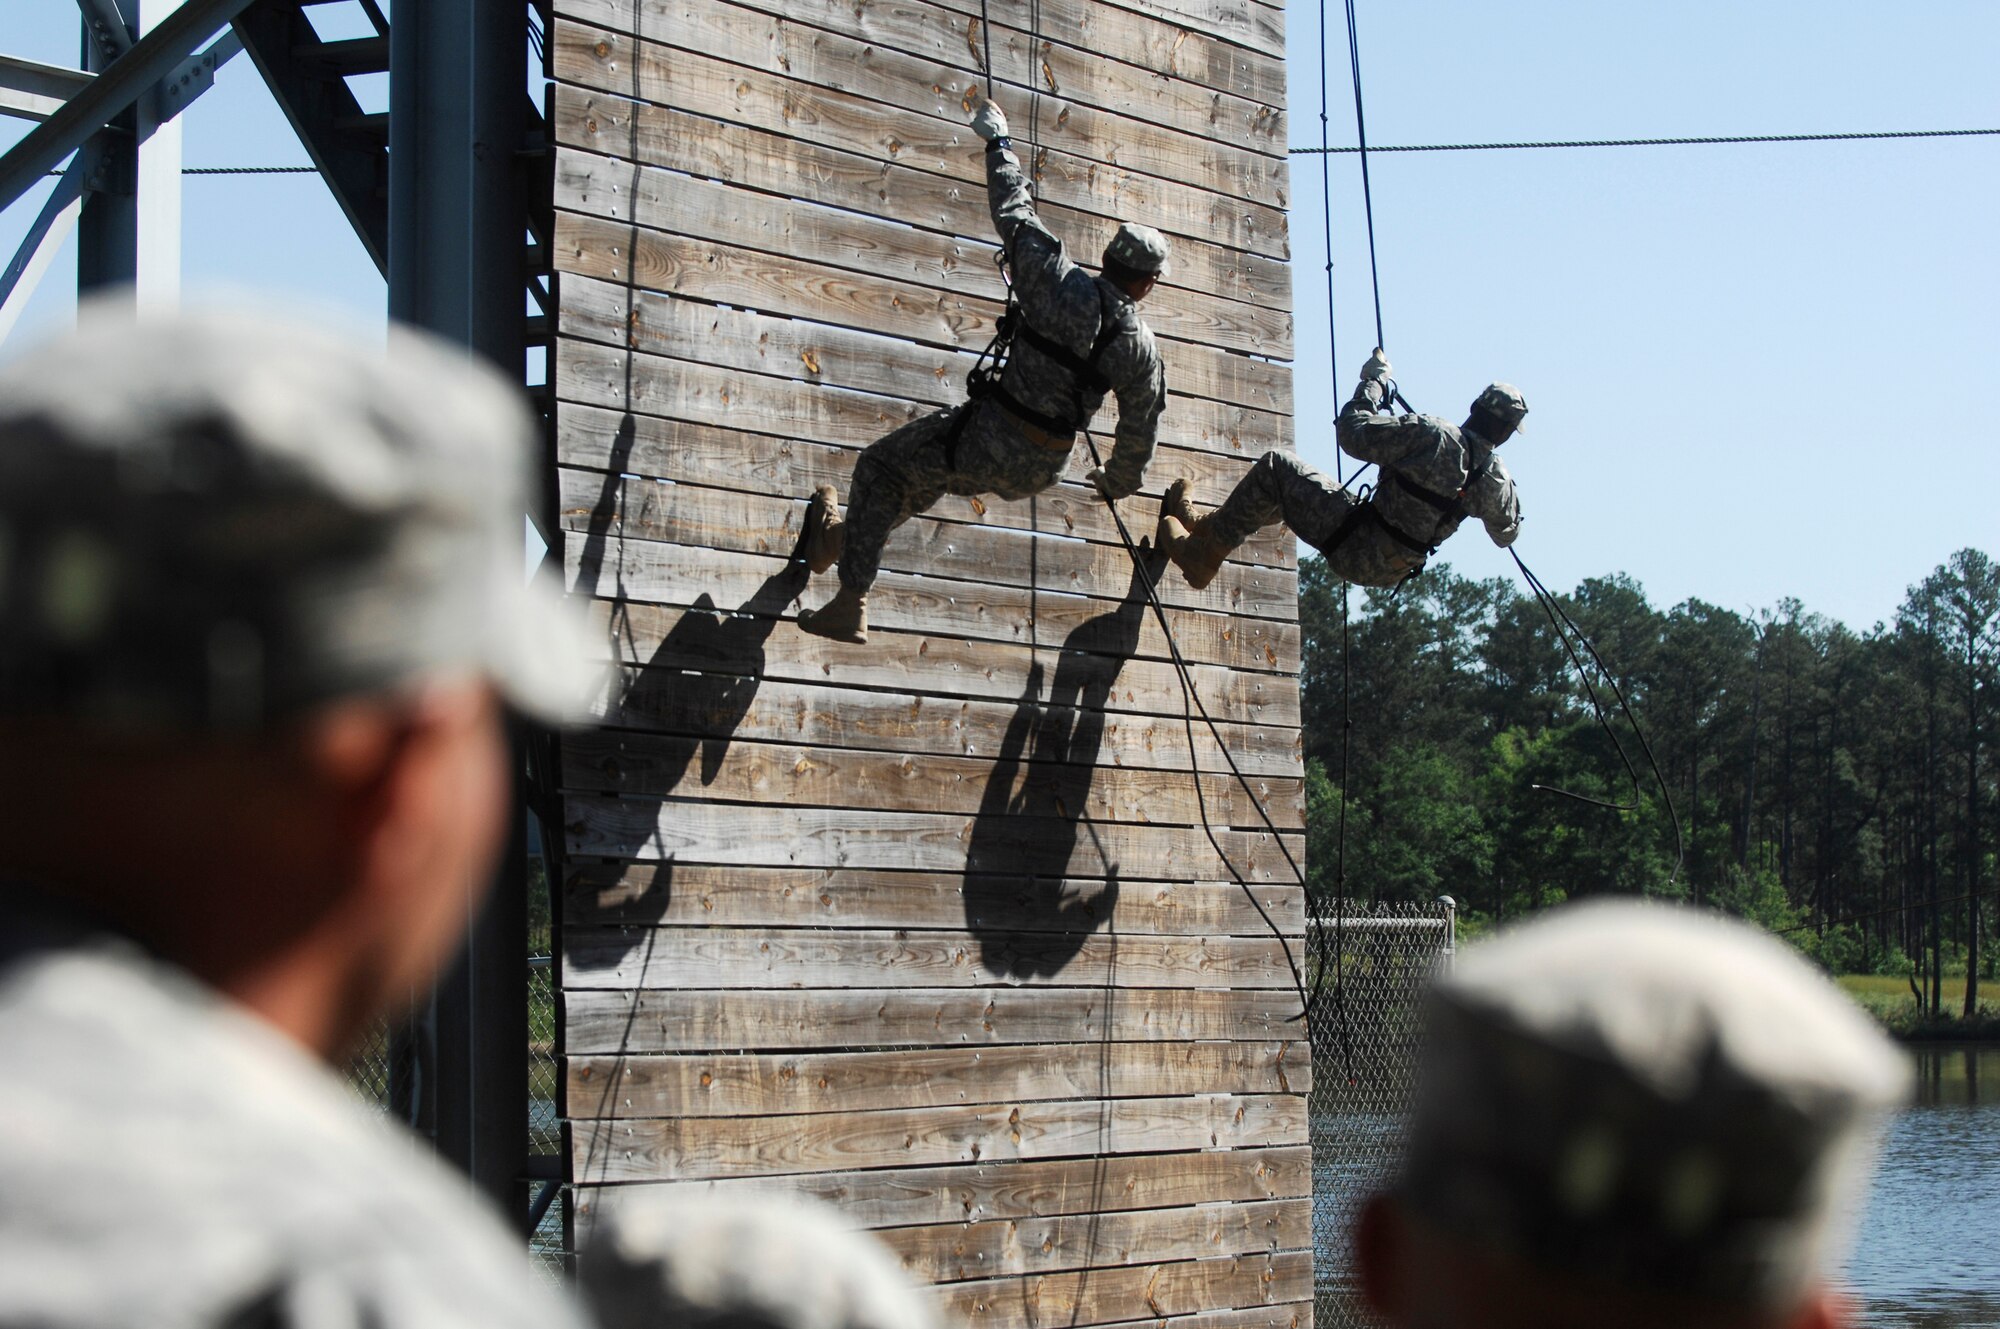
1190 703
1361 137
1326 232
1559 619
987 369
1857 137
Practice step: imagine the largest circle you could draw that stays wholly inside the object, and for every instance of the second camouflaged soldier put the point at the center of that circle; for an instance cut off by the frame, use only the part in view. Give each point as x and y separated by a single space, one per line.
1080 336
1434 475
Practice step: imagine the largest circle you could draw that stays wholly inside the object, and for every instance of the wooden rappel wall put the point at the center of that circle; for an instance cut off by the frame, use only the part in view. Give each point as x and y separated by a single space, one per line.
929 928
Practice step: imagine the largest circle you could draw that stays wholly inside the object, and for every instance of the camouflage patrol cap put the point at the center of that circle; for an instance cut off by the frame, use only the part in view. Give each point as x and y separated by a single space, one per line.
1651 1098
704 1261
1138 248
215 521
1503 401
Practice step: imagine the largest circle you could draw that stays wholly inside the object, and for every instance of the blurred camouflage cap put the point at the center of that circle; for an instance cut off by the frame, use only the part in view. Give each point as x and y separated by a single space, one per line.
1649 1097
1138 248
702 1261
1503 401
217 520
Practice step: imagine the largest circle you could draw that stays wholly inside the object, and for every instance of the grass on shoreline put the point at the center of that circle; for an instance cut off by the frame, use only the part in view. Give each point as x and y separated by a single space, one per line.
1887 997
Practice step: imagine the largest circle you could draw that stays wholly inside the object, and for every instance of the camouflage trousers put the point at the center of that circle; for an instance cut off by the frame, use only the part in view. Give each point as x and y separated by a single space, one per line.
905 472
1321 512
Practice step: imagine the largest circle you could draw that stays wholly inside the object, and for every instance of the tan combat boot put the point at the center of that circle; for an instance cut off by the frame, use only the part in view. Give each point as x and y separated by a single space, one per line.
1185 538
823 534
843 618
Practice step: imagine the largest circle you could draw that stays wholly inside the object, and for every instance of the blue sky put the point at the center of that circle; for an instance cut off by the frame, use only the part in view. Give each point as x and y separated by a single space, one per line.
1755 371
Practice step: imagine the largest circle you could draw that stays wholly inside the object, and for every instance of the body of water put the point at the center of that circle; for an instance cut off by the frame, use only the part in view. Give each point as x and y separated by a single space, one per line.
1928 1252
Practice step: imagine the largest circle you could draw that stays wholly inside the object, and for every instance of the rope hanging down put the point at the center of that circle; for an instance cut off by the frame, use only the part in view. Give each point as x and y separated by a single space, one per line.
1554 610
1191 702
1326 228
1557 616
1367 193
990 365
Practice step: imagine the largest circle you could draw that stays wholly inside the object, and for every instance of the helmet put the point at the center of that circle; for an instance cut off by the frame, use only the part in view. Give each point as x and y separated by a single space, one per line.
1139 249
1502 401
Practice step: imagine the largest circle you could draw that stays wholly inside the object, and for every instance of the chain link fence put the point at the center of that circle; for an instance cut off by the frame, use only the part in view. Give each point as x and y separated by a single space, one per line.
1364 1072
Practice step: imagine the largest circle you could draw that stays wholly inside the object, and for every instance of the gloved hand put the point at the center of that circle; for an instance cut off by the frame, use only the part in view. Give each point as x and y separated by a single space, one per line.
1377 367
1106 488
989 121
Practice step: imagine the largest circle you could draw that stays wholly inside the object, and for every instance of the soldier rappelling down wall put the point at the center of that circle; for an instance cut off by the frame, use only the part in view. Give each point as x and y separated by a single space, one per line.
1077 337
1434 475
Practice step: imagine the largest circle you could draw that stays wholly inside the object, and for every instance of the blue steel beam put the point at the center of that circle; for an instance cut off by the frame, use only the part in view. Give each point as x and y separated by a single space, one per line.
152 58
305 76
458 212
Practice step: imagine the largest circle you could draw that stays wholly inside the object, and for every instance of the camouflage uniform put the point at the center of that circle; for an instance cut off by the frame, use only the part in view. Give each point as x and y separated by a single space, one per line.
1650 1099
995 451
172 1161
1358 544
698 1260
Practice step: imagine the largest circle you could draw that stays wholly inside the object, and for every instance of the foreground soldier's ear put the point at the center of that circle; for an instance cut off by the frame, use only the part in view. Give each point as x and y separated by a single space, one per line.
1377 1236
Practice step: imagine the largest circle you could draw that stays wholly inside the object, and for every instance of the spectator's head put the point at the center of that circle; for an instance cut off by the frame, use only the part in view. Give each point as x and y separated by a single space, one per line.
1497 413
703 1262
261 606
1136 259
1630 1115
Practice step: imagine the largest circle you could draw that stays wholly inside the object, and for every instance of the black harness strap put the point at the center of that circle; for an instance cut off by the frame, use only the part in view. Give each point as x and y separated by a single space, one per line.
1083 367
1366 511
1048 424
985 378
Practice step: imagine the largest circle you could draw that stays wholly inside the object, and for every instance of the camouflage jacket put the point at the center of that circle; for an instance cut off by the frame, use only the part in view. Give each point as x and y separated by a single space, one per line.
172 1161
1434 474
1073 308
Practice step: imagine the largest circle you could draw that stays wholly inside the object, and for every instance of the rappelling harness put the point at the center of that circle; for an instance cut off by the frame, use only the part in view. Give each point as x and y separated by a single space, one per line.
1451 509
983 381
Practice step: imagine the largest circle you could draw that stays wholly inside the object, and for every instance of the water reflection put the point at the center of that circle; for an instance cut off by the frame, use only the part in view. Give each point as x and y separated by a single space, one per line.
1928 1253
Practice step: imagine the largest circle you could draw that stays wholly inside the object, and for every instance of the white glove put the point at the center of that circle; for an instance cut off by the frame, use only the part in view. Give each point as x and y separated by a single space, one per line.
1377 367
989 121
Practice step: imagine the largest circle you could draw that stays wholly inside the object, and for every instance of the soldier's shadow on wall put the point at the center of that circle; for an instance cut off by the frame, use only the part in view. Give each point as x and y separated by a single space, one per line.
1029 915
694 687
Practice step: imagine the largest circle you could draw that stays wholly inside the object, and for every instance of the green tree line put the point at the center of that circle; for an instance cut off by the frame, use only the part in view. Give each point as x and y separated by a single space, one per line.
1833 785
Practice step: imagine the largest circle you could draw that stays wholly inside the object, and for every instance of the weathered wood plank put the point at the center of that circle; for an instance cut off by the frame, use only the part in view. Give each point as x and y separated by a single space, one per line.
1197 139
1076 41
770 958
953 1252
892 722
1290 1315
986 1192
606 123
690 1019
624 377
1102 1296
793 775
643 570
793 193
734 835
683 451
640 509
673 894
694 1148
754 1085
727 651
717 228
